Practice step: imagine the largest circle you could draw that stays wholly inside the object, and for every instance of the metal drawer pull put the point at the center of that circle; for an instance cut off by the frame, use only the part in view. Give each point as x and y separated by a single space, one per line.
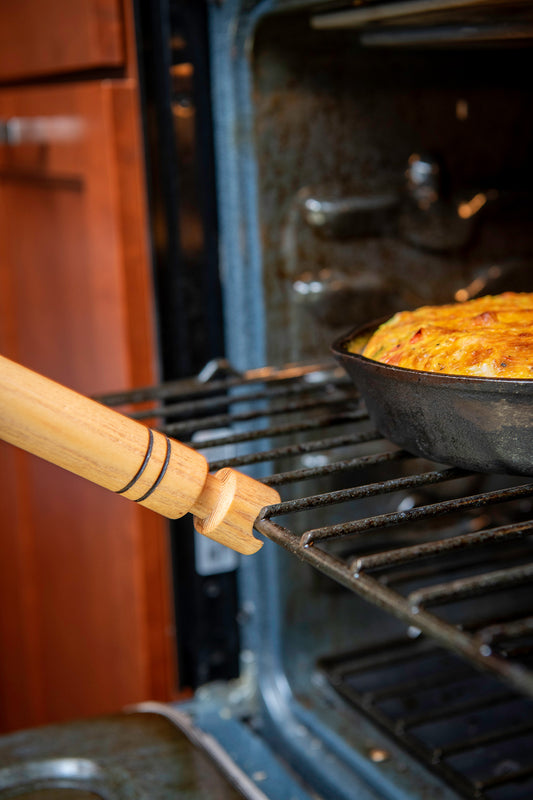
16 131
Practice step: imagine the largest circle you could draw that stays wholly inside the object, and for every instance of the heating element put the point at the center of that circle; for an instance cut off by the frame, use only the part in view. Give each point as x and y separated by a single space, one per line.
447 552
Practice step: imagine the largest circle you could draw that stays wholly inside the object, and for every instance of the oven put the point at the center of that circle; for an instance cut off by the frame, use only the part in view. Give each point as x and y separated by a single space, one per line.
367 157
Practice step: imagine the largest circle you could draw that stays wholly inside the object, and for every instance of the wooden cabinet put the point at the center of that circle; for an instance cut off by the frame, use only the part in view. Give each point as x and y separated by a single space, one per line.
52 37
85 597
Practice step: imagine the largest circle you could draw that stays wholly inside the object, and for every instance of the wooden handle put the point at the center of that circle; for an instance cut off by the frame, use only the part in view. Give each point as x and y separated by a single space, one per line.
126 457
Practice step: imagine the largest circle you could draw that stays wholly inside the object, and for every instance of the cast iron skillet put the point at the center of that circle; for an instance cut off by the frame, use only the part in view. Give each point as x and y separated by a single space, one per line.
480 424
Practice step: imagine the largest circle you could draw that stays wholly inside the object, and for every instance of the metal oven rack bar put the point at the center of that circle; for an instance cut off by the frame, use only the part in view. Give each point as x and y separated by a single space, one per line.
308 421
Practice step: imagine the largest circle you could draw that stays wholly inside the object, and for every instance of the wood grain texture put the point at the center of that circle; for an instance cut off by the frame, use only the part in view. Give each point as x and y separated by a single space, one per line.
59 36
97 443
85 600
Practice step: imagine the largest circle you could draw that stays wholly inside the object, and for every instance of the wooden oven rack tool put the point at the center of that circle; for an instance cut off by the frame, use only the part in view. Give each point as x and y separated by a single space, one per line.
124 456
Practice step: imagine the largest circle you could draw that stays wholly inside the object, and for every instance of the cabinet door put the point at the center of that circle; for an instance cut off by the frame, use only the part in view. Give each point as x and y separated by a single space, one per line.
57 36
85 622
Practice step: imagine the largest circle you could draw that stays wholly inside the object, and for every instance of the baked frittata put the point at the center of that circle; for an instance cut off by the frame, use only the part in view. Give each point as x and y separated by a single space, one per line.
489 337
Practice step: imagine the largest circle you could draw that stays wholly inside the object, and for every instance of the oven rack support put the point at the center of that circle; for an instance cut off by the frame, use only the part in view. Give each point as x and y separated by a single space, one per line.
469 542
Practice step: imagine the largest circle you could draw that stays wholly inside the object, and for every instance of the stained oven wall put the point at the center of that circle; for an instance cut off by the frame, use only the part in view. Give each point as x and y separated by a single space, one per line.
334 120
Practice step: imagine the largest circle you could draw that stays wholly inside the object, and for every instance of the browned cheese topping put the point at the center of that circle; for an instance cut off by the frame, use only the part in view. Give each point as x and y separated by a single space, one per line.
489 337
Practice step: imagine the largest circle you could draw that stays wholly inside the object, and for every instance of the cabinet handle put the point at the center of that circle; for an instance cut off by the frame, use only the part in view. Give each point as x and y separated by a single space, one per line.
120 454
15 131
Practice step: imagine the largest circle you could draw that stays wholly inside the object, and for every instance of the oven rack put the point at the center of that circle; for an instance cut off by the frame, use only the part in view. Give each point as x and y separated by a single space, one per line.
446 551
467 727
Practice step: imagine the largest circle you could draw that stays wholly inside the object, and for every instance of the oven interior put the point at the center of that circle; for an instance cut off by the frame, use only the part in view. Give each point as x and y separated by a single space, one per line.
370 158
390 173
387 624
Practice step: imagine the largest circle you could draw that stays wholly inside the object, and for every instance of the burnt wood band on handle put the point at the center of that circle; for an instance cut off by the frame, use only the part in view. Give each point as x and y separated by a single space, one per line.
124 456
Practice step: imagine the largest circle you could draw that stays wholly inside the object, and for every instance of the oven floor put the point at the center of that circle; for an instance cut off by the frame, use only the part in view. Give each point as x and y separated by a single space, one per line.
121 757
466 726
